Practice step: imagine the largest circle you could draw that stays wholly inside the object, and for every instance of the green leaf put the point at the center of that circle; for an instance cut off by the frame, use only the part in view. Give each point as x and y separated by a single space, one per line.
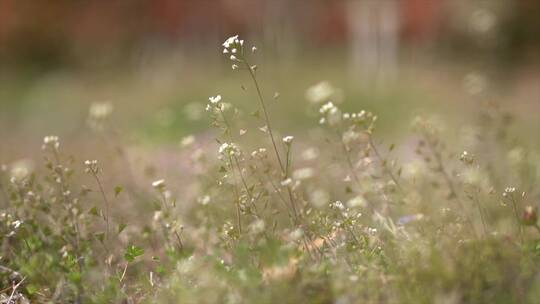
132 252
121 227
94 211
118 190
100 236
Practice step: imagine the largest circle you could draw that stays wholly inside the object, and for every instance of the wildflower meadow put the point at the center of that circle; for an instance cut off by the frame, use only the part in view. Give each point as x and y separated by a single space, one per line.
259 201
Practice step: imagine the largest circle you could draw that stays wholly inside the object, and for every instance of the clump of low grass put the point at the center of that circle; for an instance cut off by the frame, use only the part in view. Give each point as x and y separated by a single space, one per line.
333 216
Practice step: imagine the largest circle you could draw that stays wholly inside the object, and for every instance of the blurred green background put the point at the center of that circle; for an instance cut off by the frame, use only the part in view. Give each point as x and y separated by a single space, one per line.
158 61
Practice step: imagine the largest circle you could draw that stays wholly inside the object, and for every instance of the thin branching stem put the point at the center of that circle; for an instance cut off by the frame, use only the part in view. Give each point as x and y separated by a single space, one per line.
383 164
516 215
266 116
238 211
453 193
106 202
228 130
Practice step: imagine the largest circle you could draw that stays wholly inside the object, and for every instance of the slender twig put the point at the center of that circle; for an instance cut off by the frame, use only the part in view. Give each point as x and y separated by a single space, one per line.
348 157
516 214
123 273
481 211
238 213
5 196
14 289
105 200
453 193
383 164
228 131
266 116
284 169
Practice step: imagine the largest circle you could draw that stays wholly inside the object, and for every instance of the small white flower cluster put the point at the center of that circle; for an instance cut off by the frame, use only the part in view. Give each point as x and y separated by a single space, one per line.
98 114
337 205
362 118
51 142
91 166
303 173
350 136
371 230
508 191
12 224
331 114
310 154
234 47
286 182
347 216
229 149
257 226
159 185
466 158
204 200
290 183
228 230
187 141
357 117
259 153
100 110
475 84
296 234
288 139
20 170
320 92
357 202
215 104
215 99
430 127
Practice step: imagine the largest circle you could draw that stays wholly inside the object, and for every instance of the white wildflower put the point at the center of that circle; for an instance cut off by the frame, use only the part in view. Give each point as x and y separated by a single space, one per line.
231 41
259 153
331 114
337 205
51 142
286 182
303 173
159 184
508 191
229 149
257 226
91 166
310 154
187 141
204 200
319 197
296 234
475 83
100 110
288 139
21 169
357 202
214 99
320 92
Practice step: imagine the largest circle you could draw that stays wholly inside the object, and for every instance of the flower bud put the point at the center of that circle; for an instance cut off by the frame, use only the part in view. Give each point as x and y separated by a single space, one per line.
529 217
